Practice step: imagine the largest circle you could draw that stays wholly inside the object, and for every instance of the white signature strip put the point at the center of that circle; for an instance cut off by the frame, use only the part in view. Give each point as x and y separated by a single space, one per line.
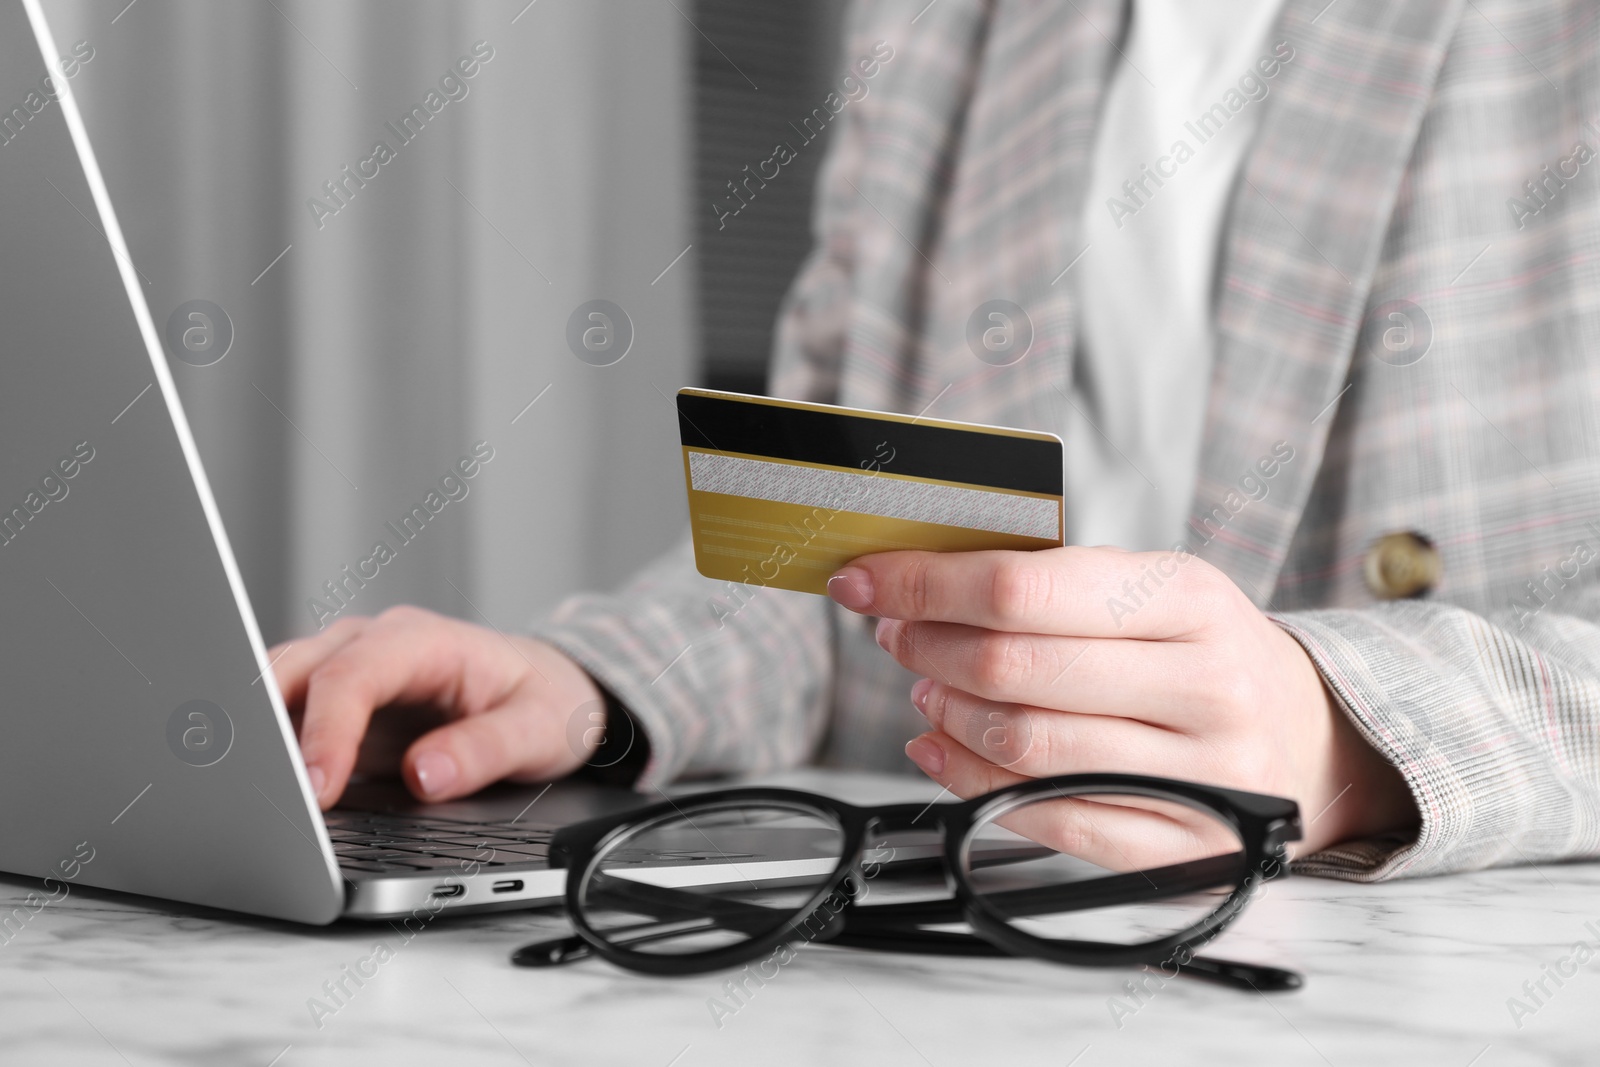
865 494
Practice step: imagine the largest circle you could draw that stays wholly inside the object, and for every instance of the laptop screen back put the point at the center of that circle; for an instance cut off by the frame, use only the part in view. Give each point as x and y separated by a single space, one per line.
139 729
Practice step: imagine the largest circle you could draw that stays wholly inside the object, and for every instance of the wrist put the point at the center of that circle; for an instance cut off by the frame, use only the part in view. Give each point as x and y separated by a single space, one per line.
1349 790
620 759
1361 796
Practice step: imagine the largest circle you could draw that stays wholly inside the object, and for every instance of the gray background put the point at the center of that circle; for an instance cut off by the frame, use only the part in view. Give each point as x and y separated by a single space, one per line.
432 308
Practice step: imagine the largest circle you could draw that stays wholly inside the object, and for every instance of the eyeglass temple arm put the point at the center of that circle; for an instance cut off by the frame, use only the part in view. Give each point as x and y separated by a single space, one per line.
671 907
1135 887
898 927
1243 976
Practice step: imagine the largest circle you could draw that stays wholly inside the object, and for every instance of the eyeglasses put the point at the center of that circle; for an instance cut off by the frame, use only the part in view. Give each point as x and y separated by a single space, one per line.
1097 870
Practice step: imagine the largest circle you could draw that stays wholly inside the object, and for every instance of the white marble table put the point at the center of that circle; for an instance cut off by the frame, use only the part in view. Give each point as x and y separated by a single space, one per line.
1411 972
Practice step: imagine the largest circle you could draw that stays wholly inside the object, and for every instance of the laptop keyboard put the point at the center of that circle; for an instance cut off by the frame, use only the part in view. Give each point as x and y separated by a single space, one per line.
376 842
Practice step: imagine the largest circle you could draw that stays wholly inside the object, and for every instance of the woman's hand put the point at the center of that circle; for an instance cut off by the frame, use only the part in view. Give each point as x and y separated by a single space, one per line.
502 706
1074 660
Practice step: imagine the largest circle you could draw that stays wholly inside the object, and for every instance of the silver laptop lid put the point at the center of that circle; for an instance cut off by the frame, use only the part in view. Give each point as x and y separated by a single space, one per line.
145 744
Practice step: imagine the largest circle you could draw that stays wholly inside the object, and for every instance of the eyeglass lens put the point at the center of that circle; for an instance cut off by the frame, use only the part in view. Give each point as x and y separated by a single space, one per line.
705 880
1109 868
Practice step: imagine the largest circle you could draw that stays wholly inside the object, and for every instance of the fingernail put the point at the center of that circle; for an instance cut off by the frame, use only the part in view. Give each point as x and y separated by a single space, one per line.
318 778
436 772
885 632
852 588
919 694
926 754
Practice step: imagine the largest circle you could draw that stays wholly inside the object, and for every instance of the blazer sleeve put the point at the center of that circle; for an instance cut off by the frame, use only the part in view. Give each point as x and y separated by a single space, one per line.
1493 721
724 677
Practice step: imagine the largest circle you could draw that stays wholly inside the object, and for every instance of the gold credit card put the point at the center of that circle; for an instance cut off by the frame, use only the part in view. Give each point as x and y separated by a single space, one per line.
784 493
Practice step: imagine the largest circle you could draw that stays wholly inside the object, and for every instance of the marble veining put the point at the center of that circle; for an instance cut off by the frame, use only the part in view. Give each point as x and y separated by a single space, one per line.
1416 972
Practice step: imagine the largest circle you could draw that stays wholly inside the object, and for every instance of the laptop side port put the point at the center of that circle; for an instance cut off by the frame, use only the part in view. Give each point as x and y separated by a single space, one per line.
449 890
513 885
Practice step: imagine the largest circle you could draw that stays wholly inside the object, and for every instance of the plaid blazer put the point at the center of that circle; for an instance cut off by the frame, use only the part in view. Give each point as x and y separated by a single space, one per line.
1427 152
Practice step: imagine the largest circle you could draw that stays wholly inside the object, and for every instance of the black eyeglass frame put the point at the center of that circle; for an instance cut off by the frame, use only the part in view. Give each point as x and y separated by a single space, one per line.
1264 825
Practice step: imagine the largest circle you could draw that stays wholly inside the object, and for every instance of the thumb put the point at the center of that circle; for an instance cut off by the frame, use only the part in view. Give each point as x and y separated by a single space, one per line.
521 739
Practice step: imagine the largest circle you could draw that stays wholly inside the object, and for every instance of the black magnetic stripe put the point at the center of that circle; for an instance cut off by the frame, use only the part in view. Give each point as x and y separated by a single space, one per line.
998 461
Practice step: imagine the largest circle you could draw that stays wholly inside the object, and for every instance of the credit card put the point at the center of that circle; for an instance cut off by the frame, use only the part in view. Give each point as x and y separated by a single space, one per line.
784 493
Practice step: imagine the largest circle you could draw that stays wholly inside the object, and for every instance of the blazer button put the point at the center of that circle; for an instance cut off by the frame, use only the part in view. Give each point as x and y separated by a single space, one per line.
1401 565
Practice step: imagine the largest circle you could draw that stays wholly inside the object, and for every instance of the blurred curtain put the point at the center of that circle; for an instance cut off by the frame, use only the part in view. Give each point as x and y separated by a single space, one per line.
761 65
422 309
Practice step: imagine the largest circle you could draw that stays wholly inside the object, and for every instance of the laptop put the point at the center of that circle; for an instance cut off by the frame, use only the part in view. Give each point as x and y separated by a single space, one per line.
146 747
